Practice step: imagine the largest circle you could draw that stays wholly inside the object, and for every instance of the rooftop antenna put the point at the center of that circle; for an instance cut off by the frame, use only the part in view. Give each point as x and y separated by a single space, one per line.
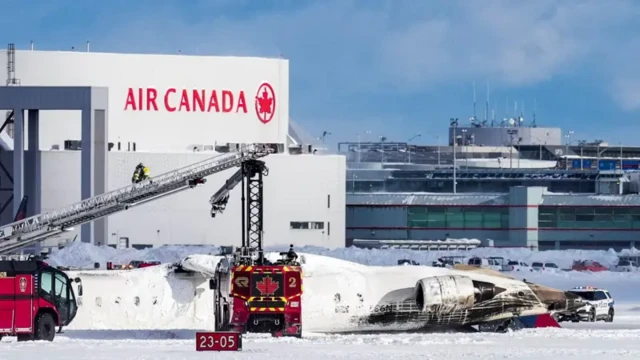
535 105
474 101
493 111
486 110
515 110
506 107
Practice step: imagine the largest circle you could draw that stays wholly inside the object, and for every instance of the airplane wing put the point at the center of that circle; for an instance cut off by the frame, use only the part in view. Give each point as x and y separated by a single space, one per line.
464 267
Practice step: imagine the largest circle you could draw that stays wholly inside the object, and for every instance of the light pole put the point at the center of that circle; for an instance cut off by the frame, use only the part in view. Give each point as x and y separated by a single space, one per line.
382 140
408 147
454 124
582 143
438 142
464 147
511 133
621 168
598 153
324 135
359 148
519 141
567 136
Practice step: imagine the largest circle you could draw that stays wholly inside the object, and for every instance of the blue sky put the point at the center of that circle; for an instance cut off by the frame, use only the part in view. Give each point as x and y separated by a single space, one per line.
392 67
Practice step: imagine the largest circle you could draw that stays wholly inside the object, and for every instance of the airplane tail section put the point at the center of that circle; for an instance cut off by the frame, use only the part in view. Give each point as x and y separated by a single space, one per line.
21 214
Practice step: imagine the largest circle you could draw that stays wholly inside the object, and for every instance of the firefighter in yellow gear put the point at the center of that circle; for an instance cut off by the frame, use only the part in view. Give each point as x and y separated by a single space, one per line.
140 173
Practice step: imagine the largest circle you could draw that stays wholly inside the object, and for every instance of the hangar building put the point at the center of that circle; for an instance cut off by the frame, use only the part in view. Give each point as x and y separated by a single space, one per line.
169 111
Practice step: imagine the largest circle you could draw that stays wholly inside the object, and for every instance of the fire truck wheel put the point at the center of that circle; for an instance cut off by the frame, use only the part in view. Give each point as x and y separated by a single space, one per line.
45 327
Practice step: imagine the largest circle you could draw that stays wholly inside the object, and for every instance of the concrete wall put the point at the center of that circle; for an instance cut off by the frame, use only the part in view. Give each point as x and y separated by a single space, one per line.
175 119
499 136
523 216
297 189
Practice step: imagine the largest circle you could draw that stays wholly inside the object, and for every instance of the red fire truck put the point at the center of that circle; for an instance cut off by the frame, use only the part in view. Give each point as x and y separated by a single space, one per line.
252 294
261 298
35 298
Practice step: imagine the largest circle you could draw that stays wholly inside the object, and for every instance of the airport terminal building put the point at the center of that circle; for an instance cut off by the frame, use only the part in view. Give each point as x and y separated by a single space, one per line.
524 217
541 196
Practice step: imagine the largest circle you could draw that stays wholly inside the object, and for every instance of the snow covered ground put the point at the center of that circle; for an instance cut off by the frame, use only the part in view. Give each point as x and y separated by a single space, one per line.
527 344
617 340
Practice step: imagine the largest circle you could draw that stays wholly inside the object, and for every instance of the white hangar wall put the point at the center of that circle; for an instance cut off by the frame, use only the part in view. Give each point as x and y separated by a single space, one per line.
299 188
166 102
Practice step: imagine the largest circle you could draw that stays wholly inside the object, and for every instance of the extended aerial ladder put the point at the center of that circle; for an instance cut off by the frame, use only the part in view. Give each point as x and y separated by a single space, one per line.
250 175
20 234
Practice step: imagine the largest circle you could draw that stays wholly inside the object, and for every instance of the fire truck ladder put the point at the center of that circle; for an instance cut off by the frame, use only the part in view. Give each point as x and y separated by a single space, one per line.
250 175
37 228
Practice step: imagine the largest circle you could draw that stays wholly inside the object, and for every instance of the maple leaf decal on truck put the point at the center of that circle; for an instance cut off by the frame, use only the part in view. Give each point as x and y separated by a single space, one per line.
267 286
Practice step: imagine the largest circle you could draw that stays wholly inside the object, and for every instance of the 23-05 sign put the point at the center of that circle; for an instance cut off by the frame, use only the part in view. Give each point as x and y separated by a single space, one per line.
218 341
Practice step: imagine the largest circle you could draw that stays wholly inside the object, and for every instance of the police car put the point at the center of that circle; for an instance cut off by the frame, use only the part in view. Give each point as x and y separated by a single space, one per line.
599 305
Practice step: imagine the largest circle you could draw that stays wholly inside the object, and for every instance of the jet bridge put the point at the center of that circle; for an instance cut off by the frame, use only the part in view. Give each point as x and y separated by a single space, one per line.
20 234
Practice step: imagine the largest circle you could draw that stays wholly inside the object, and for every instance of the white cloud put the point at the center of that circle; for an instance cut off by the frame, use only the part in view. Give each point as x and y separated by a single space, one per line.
517 43
625 71
354 46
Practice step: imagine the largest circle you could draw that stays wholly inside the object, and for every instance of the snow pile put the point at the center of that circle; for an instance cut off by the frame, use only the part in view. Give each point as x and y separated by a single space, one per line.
623 286
84 255
389 257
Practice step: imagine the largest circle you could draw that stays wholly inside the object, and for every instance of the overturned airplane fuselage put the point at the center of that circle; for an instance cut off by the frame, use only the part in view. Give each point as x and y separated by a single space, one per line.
342 296
466 297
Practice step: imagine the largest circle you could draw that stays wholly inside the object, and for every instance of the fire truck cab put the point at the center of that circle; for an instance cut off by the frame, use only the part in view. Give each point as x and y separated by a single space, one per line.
264 298
35 298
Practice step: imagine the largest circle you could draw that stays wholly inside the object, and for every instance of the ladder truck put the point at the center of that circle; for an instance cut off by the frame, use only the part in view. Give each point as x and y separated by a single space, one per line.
24 232
251 293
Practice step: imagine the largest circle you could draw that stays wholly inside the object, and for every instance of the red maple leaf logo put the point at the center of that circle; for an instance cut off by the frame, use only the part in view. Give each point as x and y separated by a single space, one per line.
267 286
265 103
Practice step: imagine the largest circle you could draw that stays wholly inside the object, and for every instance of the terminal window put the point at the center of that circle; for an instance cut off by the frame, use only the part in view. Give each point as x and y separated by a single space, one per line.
458 217
306 225
588 217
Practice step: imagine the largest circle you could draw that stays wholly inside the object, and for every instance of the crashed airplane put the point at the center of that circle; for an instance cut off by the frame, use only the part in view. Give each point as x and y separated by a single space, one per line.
469 298
341 296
